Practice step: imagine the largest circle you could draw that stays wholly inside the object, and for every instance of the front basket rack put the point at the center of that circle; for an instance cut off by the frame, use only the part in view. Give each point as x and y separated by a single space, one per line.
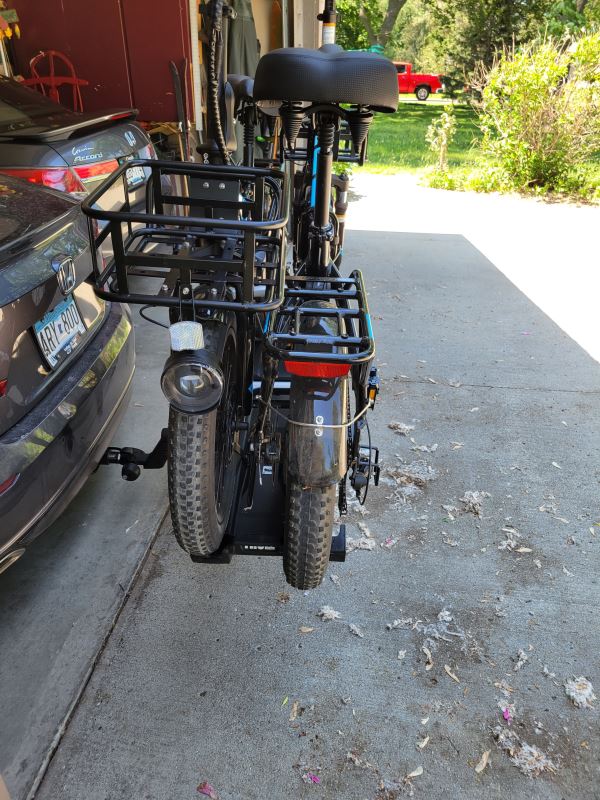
213 237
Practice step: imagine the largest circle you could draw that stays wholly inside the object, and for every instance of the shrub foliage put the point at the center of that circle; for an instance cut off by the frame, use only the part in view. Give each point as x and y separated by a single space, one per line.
539 112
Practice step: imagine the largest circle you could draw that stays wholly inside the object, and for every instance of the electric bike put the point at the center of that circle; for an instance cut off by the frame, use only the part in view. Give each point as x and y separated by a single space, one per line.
269 377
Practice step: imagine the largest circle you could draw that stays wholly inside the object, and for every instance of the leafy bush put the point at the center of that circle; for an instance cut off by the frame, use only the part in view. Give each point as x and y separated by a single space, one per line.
488 179
440 179
540 113
440 135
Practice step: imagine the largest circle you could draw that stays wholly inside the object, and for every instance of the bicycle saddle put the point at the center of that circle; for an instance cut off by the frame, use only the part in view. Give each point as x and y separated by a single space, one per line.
327 75
242 86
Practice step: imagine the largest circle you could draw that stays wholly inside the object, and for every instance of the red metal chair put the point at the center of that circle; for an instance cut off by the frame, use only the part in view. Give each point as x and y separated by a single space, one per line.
50 83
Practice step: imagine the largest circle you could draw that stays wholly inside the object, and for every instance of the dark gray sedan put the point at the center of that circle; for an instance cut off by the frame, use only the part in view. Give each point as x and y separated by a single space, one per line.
45 143
66 361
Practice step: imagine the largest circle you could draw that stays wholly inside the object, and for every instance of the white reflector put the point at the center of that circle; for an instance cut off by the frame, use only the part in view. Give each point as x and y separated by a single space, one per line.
186 335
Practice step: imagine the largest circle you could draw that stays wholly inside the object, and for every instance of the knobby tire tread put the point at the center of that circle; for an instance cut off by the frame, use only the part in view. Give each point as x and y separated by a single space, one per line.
191 478
309 527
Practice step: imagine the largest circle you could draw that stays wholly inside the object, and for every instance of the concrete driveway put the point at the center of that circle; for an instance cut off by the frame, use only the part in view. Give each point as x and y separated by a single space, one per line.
474 609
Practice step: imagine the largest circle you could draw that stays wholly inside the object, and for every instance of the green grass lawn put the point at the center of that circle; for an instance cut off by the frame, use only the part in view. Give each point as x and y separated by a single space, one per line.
397 141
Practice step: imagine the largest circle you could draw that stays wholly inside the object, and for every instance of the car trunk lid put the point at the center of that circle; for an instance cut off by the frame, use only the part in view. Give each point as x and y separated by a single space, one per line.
99 151
40 230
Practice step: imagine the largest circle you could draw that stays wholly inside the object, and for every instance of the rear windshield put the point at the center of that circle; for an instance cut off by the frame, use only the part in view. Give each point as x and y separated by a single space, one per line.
21 107
24 207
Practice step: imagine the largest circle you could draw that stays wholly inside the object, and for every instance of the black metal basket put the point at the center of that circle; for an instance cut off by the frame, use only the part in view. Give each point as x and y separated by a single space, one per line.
213 236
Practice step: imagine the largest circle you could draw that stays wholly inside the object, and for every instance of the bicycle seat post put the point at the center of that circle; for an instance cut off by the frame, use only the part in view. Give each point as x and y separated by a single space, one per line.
329 18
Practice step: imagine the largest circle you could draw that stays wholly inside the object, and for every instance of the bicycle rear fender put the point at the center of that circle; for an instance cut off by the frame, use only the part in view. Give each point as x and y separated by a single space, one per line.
317 456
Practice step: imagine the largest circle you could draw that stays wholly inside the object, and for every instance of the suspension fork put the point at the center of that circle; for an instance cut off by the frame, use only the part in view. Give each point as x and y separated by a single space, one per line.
321 231
341 184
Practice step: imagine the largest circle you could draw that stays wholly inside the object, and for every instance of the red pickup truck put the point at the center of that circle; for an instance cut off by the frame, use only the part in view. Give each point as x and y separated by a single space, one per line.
422 85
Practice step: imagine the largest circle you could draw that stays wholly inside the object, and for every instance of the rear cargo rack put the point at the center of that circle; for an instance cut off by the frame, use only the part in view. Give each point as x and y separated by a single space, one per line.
213 237
307 303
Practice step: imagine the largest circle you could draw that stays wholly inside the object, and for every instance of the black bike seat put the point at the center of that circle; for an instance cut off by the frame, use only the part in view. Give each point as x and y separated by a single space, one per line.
327 75
243 87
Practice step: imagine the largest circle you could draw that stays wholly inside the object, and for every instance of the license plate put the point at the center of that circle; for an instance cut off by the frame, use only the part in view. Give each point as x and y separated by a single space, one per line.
60 331
135 175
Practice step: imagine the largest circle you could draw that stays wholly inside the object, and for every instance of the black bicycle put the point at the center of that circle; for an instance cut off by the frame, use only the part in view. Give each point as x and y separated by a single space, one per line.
269 378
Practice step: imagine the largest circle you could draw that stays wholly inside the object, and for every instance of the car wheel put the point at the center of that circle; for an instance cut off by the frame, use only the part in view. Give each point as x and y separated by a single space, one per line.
422 92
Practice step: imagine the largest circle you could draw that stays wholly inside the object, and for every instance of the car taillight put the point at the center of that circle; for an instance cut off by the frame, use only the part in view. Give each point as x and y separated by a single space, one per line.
8 483
316 369
101 169
3 387
61 178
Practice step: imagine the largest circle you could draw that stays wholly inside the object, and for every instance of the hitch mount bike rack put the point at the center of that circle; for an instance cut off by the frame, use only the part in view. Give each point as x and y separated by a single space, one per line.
251 531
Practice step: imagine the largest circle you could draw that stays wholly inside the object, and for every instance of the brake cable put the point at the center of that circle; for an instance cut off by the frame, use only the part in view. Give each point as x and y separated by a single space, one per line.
316 424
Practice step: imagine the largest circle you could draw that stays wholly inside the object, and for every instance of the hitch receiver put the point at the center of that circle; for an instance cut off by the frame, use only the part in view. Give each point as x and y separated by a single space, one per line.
131 459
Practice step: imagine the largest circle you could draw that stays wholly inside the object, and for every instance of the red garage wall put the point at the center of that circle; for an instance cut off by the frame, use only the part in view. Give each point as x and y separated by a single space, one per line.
122 47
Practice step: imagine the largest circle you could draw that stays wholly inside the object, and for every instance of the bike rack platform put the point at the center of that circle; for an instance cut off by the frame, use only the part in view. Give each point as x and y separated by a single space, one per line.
258 531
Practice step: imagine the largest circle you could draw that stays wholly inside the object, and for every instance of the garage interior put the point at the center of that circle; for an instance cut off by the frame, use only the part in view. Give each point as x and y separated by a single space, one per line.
141 39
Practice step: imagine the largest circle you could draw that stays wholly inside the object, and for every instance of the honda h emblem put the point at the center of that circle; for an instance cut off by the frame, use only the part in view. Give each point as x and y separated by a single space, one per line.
130 138
65 274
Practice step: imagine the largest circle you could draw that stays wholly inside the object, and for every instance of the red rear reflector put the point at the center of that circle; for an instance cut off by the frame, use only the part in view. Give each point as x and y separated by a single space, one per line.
8 483
54 177
98 170
316 369
3 387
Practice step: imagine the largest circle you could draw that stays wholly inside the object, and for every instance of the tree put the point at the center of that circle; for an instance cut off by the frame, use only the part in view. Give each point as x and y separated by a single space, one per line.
368 23
412 40
592 12
380 29
564 17
473 31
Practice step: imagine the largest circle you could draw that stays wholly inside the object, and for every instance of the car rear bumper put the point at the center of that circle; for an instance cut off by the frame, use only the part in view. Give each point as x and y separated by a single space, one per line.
60 442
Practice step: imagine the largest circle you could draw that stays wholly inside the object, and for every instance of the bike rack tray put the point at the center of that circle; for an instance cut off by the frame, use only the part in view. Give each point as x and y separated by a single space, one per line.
259 531
308 301
219 228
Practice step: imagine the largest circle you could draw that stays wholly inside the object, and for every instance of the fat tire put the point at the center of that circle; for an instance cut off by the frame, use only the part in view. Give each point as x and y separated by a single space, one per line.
197 526
308 531
192 482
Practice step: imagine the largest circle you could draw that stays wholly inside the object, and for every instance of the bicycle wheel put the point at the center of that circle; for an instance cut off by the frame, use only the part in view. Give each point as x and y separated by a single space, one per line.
308 531
201 468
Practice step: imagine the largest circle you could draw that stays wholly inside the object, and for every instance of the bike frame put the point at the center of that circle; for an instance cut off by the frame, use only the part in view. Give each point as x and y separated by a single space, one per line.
310 316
